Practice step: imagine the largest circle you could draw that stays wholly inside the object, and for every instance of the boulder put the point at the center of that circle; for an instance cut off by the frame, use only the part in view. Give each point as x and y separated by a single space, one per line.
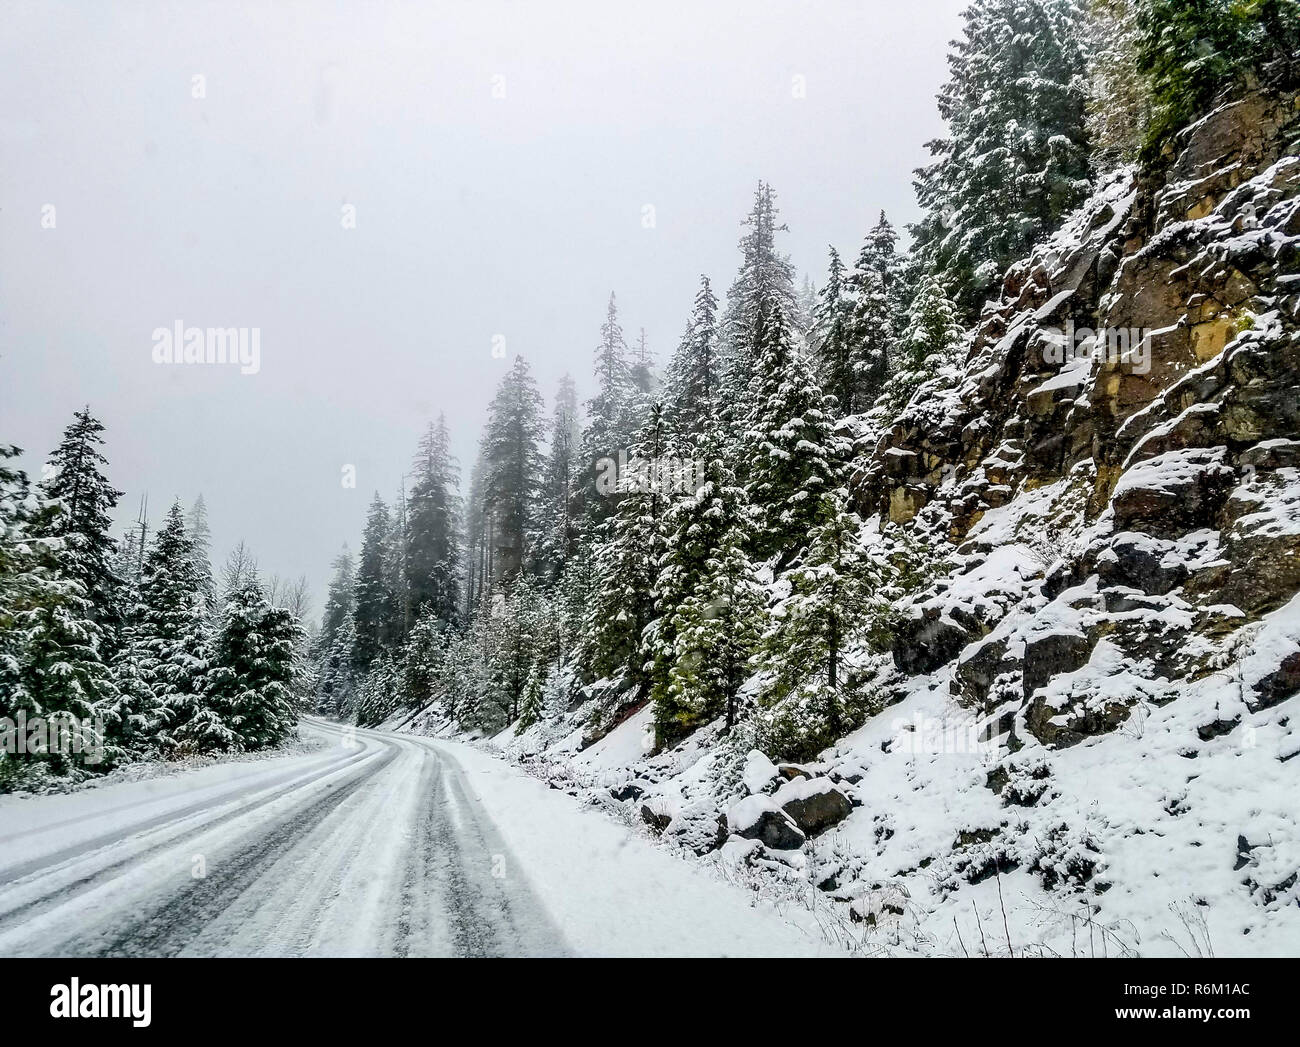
658 820
628 791
1050 655
923 644
814 804
759 818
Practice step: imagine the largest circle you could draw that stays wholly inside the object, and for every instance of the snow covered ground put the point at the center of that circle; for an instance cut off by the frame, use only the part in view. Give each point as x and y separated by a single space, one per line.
390 845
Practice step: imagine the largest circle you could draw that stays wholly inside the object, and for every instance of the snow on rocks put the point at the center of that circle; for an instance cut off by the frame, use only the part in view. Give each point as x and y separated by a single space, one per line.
759 817
814 804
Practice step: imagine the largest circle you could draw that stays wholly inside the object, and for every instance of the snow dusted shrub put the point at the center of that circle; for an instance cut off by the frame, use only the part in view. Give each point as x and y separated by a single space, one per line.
727 769
1067 856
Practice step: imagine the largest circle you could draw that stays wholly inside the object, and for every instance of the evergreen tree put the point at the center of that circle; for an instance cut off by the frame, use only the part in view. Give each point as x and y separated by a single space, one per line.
839 596
1015 160
51 662
791 450
625 565
474 538
1119 103
533 708
375 611
423 660
339 600
561 469
873 293
76 483
396 555
703 533
609 414
694 372
765 275
254 662
380 693
832 336
512 473
337 687
1191 50
641 371
172 641
929 347
432 553
201 539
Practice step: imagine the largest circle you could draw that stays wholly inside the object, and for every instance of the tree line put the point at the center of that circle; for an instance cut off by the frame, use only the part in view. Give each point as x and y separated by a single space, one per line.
130 639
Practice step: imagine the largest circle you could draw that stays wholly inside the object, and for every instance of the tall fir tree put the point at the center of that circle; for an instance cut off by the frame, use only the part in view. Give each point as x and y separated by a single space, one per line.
831 336
707 605
375 612
873 290
432 548
765 276
560 531
694 373
1015 159
76 483
625 560
512 473
174 643
201 538
609 416
929 346
792 452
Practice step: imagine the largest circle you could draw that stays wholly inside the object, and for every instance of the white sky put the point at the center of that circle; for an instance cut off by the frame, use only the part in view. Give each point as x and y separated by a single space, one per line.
475 216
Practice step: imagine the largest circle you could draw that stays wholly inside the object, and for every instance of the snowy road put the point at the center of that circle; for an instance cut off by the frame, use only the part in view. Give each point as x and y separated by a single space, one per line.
392 846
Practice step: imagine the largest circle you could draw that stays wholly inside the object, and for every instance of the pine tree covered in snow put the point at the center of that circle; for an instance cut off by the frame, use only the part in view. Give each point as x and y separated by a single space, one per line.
872 290
380 693
337 684
432 546
375 611
254 660
706 534
831 339
694 373
1119 103
930 345
170 622
766 276
559 525
201 538
1015 159
626 557
610 415
792 454
423 659
51 662
512 472
77 485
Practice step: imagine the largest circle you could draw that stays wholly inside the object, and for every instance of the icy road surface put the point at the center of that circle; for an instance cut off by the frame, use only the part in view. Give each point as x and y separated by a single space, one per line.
393 846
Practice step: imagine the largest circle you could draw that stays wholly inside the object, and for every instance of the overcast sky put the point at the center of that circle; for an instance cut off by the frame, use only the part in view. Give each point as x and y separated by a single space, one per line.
219 202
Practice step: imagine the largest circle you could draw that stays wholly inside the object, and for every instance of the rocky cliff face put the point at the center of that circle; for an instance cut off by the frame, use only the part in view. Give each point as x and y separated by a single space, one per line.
1151 474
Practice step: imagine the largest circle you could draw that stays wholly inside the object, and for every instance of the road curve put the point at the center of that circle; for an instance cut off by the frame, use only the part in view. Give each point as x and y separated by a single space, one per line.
368 847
